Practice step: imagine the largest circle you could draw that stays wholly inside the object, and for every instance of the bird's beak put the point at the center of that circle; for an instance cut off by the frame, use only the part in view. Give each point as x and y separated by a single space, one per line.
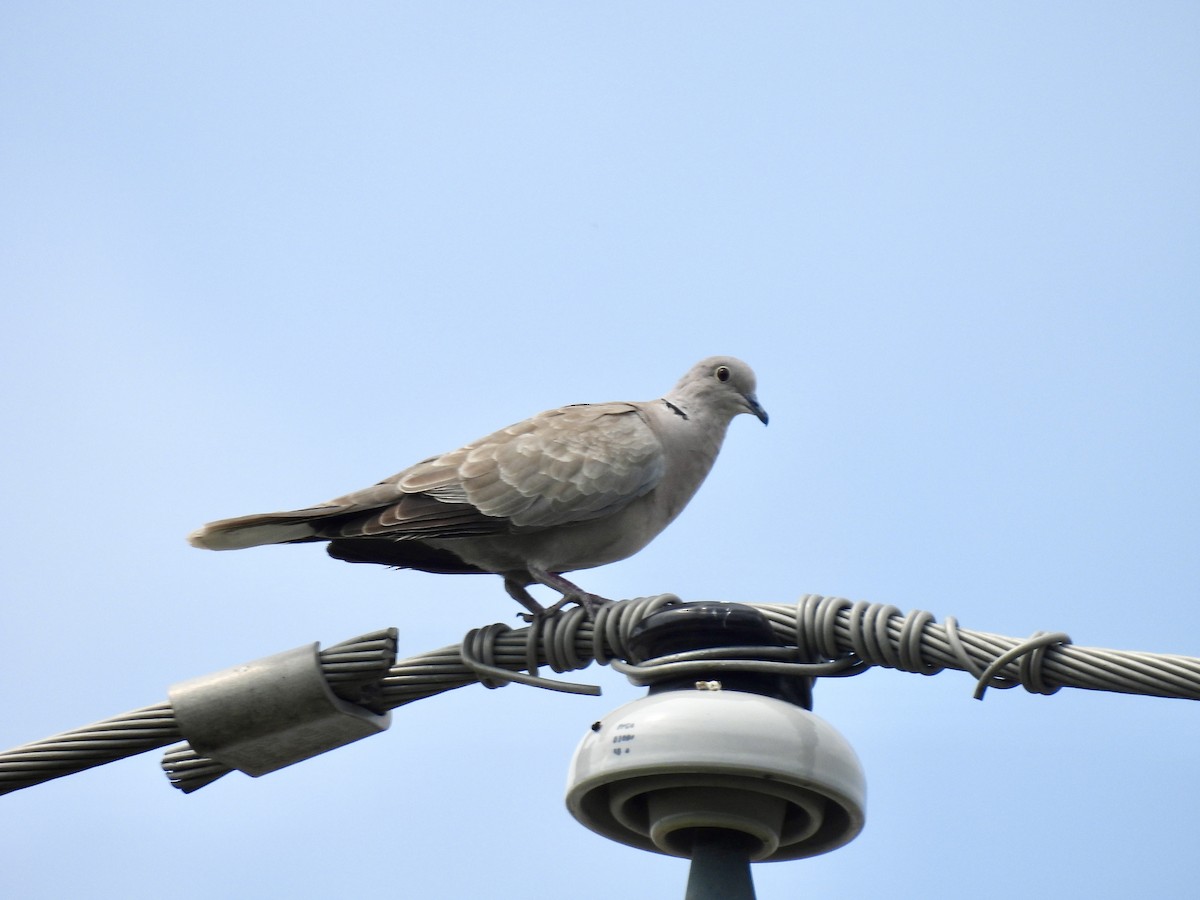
755 408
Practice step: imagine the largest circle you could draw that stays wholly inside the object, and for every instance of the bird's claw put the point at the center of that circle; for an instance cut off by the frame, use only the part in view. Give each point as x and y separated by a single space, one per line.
591 604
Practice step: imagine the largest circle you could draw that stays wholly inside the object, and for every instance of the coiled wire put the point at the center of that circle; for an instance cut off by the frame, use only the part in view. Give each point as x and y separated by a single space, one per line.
823 637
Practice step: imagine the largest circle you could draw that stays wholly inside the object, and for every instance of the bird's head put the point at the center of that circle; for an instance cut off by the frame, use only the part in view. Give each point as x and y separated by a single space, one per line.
722 384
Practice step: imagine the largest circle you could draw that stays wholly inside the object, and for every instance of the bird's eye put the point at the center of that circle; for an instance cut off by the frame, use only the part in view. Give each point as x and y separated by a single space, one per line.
722 373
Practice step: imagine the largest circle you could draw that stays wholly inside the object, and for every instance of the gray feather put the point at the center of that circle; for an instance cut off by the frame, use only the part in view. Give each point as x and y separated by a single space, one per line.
570 488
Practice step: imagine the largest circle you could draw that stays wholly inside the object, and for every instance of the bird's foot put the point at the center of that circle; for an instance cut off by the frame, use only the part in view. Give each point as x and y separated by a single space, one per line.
591 604
571 593
517 591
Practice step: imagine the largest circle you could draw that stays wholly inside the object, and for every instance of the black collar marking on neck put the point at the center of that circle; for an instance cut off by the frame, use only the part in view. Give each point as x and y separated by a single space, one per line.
675 409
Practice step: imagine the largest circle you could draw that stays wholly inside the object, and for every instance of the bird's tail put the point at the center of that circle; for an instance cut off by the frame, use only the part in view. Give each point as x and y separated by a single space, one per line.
264 528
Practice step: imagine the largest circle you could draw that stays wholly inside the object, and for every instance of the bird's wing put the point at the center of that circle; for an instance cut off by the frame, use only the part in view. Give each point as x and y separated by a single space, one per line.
563 466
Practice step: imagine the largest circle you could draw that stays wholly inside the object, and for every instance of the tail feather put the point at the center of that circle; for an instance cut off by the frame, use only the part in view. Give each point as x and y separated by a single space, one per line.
257 530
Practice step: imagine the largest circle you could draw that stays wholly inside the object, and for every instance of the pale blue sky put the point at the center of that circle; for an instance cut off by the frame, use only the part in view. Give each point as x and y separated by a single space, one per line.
253 256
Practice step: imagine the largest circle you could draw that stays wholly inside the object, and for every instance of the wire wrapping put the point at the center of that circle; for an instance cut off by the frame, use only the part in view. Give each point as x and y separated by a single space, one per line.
844 637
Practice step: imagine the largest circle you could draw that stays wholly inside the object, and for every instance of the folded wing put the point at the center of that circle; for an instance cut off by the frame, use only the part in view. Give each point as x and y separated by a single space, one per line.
564 466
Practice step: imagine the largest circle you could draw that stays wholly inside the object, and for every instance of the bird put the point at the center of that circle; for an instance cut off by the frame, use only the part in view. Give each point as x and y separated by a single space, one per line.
571 488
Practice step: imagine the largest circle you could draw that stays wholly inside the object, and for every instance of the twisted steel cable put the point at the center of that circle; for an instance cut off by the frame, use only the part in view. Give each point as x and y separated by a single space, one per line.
843 637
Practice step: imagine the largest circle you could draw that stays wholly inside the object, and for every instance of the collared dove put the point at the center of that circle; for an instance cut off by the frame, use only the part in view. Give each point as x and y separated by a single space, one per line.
571 488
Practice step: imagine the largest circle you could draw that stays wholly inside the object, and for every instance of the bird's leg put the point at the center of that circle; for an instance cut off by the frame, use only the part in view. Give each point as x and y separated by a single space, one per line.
571 593
517 591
